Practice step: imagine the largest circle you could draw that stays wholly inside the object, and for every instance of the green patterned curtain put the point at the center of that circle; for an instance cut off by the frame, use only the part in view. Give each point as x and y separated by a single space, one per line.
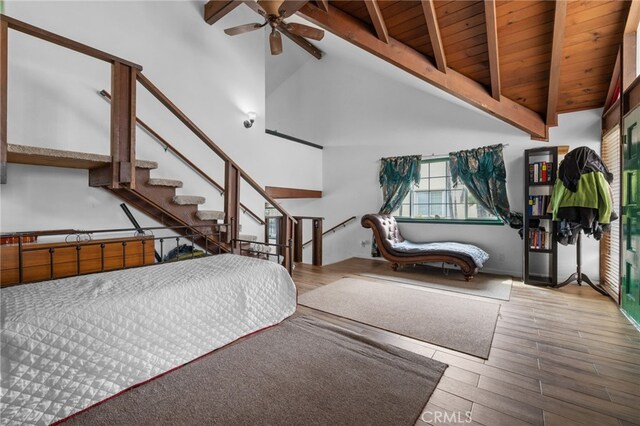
397 176
483 173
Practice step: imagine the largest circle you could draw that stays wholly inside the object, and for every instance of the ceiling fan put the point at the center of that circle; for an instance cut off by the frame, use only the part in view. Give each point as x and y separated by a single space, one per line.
274 12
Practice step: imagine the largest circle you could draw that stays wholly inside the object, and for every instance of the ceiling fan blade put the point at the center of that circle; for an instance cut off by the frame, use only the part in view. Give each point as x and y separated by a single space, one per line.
301 41
289 7
305 31
275 42
241 29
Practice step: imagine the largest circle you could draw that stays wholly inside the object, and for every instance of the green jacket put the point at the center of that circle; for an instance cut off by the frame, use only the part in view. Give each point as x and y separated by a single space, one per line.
593 192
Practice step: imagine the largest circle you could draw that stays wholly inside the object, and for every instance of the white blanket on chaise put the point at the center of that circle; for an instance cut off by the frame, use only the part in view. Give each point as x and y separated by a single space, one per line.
69 343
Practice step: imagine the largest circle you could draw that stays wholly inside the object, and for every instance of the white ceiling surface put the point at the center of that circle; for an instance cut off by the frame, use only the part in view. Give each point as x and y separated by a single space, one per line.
349 53
280 67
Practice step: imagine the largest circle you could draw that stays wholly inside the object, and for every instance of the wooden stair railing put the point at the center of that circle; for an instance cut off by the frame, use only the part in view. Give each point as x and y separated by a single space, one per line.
124 75
233 177
169 147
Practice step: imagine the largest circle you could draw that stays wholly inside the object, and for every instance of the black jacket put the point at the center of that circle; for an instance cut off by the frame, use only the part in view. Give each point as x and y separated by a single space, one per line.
578 162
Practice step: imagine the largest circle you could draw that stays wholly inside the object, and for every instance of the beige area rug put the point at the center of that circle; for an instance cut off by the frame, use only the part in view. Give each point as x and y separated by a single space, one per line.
451 321
302 372
483 285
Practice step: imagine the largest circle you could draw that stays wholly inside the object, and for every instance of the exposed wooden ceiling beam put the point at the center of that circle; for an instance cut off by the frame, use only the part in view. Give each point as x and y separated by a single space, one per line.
289 7
434 34
556 59
215 10
406 58
613 84
633 18
492 45
323 4
377 19
629 50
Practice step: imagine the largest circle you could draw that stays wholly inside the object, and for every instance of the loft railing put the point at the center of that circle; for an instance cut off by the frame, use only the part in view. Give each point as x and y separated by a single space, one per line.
169 147
124 75
80 252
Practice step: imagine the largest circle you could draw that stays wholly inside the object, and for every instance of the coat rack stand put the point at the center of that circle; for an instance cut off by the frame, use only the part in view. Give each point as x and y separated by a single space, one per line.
578 276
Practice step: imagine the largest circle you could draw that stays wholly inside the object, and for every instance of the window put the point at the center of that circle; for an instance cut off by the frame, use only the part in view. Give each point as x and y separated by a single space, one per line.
435 198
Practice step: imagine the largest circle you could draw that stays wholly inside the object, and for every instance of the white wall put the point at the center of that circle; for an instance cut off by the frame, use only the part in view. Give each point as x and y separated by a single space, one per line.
363 115
213 78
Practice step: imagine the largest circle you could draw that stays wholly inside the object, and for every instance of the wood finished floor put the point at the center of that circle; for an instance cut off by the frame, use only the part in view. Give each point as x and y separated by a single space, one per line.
559 357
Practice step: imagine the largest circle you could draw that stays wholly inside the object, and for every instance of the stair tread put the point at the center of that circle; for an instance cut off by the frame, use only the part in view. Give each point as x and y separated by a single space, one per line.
188 199
38 156
173 183
210 215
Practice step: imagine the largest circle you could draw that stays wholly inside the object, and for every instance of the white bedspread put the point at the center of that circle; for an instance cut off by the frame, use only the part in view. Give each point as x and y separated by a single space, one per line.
69 343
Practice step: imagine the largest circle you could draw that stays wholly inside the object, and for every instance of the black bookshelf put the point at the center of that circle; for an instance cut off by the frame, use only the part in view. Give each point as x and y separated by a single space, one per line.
540 243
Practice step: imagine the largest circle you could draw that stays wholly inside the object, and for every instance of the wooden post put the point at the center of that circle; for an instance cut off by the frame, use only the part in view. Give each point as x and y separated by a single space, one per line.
297 241
285 238
4 33
123 121
316 258
232 199
267 220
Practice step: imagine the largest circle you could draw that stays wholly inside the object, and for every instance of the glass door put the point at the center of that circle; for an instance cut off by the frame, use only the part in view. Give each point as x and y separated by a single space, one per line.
630 267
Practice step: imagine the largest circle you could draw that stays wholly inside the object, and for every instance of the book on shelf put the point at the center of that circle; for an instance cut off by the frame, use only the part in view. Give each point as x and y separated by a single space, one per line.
539 239
538 205
541 172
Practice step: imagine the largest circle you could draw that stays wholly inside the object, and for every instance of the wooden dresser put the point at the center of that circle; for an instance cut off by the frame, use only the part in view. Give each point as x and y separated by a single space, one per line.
68 261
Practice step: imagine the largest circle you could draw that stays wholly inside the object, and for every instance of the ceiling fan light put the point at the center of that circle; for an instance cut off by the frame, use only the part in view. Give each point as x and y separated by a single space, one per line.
275 42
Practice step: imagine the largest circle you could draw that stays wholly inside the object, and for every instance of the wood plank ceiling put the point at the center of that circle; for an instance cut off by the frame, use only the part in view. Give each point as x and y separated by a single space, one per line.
523 61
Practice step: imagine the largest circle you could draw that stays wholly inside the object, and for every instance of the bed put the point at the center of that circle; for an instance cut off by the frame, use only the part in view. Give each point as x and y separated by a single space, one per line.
69 343
396 249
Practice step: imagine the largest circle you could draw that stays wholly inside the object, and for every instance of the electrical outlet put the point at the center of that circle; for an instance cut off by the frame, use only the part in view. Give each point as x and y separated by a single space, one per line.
501 257
364 243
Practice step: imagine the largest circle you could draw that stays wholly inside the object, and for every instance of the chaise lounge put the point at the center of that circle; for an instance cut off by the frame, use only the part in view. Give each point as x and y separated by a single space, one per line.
398 250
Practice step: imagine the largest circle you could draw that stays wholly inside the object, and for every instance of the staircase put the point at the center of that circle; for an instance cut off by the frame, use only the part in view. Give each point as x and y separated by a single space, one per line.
129 178
155 197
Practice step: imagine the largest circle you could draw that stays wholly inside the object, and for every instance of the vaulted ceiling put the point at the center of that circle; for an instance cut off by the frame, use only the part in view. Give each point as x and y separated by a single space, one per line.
523 61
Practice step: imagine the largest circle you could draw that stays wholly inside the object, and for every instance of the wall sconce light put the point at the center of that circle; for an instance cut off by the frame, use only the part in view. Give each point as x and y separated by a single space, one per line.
251 117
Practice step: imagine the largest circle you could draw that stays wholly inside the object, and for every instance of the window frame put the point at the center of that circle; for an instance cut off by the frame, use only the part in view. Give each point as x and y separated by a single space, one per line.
448 221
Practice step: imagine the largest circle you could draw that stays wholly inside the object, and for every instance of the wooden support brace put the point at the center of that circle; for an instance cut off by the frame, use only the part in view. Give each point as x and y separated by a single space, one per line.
4 33
123 121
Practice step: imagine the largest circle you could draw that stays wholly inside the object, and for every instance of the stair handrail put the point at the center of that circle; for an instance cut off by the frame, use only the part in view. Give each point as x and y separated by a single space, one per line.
169 147
45 35
157 93
343 224
232 171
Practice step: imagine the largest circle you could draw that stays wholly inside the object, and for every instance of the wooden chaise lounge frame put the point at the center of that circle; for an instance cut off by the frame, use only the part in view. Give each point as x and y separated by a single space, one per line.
385 229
